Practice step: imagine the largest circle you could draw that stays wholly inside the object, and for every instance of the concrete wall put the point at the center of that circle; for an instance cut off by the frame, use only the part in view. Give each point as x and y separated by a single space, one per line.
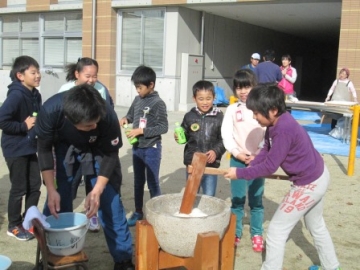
50 83
229 45
182 34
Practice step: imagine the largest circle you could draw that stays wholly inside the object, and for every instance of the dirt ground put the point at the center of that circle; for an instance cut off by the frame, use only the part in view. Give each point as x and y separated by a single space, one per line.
341 212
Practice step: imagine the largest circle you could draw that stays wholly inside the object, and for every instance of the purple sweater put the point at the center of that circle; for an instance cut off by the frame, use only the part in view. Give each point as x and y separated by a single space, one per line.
287 145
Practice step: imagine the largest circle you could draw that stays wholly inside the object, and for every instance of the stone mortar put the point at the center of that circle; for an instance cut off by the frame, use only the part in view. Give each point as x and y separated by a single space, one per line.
177 235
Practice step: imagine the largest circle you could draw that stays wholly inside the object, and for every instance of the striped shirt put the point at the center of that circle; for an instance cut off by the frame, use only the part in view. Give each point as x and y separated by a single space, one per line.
157 122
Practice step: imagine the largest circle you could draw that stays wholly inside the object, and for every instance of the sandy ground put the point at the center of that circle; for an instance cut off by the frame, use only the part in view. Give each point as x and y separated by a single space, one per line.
341 212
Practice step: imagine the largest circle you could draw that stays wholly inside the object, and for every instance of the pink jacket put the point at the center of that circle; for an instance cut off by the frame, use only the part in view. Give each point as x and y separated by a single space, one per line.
287 82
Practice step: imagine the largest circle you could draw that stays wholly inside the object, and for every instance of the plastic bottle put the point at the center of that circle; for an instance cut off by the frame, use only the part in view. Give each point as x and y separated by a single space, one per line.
180 133
34 114
132 141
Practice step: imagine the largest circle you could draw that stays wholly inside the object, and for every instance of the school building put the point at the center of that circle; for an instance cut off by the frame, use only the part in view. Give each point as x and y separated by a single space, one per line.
182 40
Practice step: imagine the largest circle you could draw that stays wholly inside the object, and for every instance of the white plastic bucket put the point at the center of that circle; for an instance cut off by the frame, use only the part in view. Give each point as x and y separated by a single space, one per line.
66 235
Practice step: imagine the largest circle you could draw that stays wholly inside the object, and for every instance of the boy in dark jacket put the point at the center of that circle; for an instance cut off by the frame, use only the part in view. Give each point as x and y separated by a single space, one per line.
202 125
18 141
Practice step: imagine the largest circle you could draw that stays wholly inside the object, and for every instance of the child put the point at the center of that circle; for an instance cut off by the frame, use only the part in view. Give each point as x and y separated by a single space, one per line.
18 141
289 77
202 125
242 136
85 71
149 117
287 145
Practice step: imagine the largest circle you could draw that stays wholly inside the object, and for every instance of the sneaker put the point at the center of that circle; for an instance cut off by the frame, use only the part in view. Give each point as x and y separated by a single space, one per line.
125 265
82 182
31 230
94 224
292 98
135 217
258 243
316 267
237 241
19 233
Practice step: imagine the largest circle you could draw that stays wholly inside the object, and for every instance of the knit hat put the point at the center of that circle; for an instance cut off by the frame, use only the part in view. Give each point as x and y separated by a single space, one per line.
346 70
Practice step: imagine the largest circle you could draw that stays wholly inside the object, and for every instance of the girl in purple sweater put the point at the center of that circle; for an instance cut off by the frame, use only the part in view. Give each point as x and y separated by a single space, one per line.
287 145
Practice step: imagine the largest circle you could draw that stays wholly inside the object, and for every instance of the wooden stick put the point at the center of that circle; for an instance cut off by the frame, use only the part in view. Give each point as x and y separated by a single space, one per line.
193 182
218 171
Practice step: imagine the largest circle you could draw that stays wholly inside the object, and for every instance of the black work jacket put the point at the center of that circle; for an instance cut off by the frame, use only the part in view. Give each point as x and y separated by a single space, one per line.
203 133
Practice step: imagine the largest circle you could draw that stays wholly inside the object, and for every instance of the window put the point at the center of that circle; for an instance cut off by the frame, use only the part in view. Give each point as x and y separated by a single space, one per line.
19 36
53 39
62 38
141 39
11 47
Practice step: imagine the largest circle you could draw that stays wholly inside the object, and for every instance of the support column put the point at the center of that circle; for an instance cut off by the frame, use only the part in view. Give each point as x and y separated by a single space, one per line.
105 40
349 43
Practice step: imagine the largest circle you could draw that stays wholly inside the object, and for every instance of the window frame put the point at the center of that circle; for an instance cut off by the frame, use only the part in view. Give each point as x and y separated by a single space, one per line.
120 41
41 35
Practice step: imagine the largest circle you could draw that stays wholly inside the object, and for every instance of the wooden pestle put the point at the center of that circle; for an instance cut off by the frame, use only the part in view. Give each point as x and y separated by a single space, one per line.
198 164
209 170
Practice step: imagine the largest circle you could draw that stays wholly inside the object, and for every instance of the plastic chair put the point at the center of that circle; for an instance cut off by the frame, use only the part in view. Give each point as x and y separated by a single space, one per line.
47 260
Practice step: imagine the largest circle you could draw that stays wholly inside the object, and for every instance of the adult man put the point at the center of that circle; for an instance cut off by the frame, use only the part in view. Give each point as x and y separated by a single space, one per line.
267 71
254 61
83 129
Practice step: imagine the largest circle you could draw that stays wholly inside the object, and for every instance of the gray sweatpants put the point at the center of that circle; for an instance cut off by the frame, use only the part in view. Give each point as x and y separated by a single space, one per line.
301 201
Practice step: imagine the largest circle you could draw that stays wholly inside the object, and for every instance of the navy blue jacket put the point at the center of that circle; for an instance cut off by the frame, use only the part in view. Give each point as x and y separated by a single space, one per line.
20 103
54 129
268 72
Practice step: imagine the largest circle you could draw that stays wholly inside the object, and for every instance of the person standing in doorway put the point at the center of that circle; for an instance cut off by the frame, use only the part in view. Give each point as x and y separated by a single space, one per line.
289 76
254 61
267 71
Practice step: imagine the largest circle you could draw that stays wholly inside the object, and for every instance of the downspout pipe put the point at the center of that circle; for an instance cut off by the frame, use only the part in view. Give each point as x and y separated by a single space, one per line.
202 42
93 28
202 33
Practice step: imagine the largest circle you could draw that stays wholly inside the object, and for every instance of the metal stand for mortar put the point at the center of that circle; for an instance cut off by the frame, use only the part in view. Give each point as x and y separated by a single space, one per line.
210 252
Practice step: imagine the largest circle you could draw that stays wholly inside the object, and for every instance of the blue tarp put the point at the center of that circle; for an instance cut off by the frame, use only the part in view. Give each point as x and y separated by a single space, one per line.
319 134
220 97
